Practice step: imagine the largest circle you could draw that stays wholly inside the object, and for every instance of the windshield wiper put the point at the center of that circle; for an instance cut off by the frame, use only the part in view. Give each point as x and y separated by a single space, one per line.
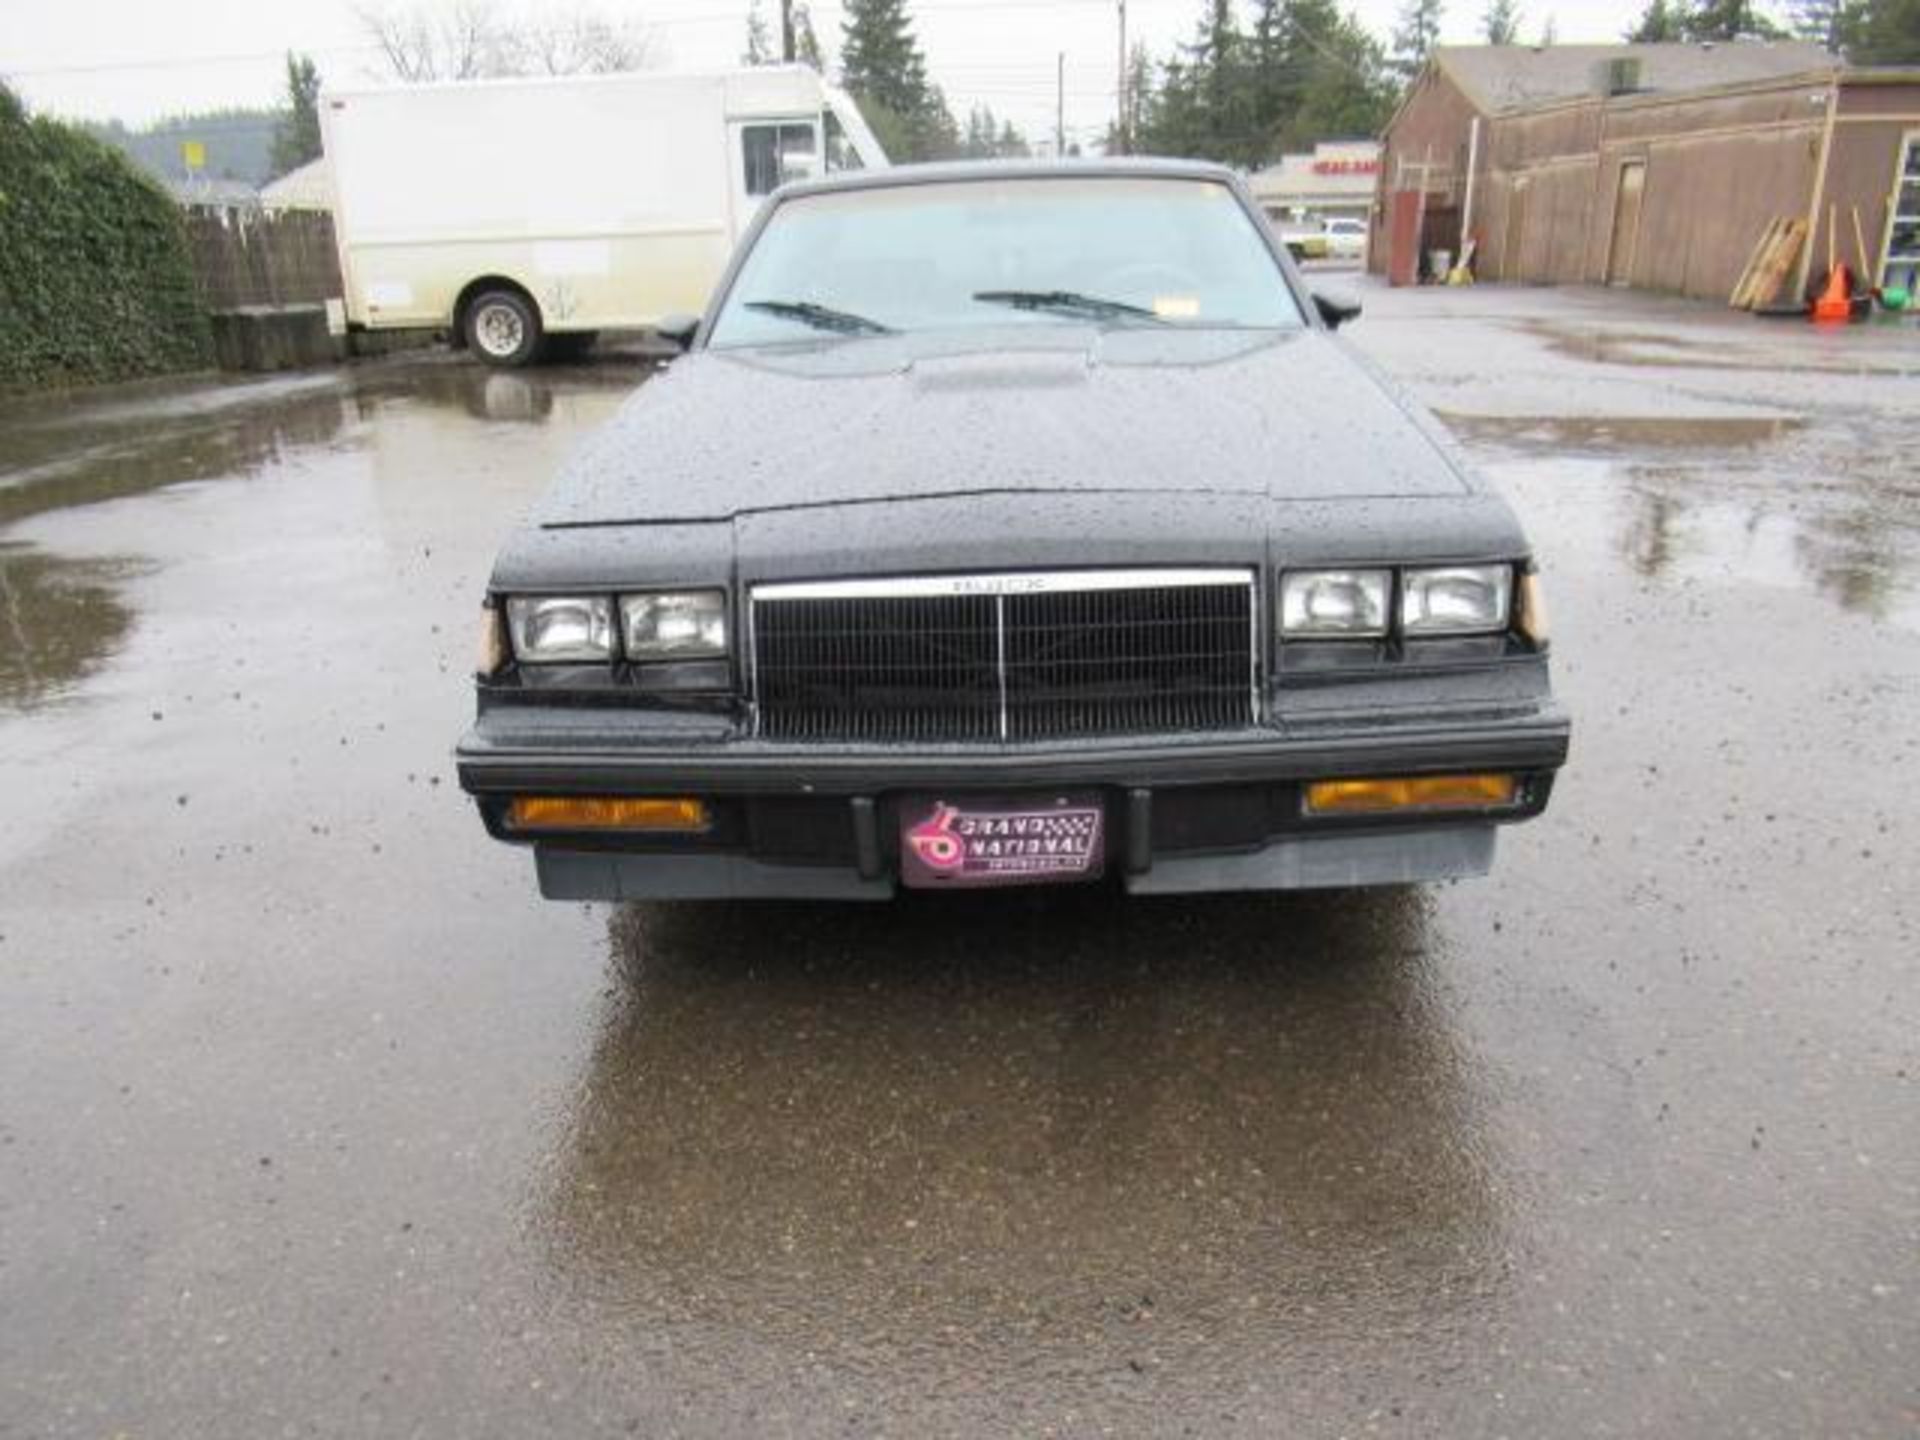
820 317
1068 302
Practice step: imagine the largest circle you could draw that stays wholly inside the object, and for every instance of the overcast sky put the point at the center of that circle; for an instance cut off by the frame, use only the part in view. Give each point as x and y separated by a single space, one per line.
138 59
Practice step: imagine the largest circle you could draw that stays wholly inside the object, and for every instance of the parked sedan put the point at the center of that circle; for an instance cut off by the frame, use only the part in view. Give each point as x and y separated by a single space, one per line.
1011 525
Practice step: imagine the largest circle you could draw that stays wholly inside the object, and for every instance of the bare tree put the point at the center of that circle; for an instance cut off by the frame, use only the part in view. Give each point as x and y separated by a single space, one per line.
470 39
406 41
579 41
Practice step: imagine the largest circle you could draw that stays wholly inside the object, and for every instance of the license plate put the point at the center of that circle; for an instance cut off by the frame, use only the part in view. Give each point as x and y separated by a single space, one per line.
1038 840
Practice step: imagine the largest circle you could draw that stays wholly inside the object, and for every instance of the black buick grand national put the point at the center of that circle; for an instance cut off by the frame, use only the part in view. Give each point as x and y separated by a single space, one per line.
1012 525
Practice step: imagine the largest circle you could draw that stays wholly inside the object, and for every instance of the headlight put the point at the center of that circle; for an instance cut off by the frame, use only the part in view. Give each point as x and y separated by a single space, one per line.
1334 603
675 625
1455 599
560 627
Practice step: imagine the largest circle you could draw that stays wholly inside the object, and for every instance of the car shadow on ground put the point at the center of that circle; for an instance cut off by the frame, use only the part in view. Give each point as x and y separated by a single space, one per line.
988 1117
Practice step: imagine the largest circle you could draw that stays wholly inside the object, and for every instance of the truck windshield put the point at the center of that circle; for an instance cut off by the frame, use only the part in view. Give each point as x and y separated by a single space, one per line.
1103 250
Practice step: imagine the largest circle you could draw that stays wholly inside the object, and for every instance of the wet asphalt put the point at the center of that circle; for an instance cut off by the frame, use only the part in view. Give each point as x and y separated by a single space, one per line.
315 1120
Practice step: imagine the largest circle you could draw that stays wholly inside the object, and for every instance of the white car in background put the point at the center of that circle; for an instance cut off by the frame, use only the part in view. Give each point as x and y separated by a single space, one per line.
1346 239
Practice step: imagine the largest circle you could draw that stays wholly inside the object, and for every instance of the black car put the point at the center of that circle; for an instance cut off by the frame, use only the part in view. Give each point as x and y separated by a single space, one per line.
1010 525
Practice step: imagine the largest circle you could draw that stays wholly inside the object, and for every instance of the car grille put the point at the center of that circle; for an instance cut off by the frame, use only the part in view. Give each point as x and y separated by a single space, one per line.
1005 658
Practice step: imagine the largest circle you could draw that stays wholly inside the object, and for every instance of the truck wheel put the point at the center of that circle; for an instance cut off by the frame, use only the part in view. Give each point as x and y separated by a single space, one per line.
503 328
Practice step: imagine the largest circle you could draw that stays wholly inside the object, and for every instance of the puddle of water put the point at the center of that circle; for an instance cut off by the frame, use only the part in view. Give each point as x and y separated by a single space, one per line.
128 440
60 619
1620 432
1885 347
1854 543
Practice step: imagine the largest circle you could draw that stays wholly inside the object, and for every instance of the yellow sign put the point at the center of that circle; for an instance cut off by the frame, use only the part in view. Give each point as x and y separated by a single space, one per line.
193 154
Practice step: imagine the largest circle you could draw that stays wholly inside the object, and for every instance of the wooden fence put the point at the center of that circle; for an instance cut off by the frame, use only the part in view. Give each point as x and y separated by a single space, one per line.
247 257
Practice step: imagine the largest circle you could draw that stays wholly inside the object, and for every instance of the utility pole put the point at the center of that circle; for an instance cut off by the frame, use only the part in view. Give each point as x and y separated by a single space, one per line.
1124 118
1060 109
786 31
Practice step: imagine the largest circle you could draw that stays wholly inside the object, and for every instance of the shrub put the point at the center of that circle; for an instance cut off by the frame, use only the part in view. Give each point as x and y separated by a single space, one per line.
95 279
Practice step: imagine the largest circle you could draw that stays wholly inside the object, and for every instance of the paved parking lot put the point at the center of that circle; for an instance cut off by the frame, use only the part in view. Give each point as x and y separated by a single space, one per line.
313 1119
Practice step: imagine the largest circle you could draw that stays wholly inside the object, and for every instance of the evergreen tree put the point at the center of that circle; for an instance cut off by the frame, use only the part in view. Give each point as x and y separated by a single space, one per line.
296 135
1660 24
883 69
1207 104
1415 36
1886 32
1834 25
988 138
880 59
1349 91
1501 22
1728 20
1303 73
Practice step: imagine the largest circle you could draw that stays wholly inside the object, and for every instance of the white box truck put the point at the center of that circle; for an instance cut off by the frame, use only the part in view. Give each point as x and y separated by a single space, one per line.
523 214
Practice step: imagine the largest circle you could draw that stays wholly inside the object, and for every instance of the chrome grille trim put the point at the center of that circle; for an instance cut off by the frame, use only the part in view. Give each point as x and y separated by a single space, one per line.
1008 582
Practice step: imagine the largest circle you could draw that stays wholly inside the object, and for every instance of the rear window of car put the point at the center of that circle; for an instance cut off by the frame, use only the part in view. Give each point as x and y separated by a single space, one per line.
918 257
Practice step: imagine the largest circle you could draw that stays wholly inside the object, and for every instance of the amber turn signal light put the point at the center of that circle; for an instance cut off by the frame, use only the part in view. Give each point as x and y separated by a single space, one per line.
1411 793
680 815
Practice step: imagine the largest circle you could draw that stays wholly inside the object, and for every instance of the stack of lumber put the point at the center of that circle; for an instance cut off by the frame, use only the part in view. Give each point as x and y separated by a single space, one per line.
1770 264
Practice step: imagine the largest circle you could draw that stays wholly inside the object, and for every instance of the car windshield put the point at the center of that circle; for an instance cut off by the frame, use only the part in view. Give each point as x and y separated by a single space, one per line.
945 255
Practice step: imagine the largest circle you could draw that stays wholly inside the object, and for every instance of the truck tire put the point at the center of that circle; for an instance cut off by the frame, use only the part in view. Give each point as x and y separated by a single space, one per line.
503 328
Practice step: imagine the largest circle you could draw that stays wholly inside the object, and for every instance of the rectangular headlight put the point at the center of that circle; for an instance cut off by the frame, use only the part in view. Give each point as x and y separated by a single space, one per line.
1455 599
552 628
1331 604
675 625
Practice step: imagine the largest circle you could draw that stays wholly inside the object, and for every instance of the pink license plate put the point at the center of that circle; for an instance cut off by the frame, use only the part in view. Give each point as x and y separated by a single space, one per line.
1039 840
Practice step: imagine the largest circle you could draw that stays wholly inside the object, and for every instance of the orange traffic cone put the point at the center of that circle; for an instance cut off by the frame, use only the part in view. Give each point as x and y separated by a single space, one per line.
1836 303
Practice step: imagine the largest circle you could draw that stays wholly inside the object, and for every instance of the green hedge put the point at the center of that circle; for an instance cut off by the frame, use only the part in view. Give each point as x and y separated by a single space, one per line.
95 280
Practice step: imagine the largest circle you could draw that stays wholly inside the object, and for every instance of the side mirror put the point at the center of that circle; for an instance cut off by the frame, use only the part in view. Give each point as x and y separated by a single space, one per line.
678 330
1336 312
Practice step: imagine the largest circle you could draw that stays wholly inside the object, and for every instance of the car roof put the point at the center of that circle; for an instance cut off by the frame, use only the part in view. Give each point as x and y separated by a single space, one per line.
947 171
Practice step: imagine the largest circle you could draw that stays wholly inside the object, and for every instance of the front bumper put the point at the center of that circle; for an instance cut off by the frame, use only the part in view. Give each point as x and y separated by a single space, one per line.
1187 813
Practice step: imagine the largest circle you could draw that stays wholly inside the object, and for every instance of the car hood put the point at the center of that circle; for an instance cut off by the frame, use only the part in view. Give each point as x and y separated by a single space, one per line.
1287 415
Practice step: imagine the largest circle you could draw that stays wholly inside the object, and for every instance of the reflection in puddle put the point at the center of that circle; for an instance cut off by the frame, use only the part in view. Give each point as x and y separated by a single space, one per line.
1025 1129
1853 556
105 445
59 619
1767 501
522 397
80 458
